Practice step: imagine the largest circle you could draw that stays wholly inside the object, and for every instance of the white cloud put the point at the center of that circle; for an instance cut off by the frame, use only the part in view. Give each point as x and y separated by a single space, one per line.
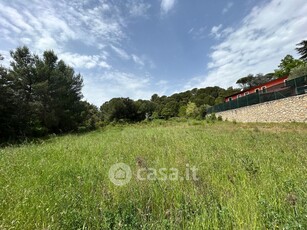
44 42
162 83
84 34
216 31
137 60
84 61
54 24
39 28
227 7
257 45
191 30
167 5
26 40
121 53
198 33
140 61
138 8
163 86
15 18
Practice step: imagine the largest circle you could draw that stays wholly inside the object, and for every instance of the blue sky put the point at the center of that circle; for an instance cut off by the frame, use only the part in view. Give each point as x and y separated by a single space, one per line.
136 48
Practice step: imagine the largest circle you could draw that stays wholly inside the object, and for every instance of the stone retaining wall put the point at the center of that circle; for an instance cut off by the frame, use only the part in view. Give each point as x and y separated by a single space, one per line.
283 110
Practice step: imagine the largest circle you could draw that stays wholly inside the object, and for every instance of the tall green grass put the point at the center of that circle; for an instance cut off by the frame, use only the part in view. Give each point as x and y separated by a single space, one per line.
251 176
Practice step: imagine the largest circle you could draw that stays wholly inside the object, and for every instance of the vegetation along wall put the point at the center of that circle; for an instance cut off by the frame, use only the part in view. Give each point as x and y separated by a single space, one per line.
283 110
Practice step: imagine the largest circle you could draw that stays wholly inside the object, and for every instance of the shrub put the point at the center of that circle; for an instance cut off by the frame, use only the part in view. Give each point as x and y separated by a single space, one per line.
298 71
211 118
191 110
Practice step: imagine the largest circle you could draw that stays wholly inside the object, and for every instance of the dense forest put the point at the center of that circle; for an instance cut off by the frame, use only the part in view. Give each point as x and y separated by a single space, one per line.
41 95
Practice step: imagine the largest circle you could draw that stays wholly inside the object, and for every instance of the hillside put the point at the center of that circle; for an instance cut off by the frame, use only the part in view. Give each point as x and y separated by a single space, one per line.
256 182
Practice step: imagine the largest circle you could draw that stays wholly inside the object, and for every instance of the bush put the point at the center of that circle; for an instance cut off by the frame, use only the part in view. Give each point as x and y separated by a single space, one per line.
298 71
211 118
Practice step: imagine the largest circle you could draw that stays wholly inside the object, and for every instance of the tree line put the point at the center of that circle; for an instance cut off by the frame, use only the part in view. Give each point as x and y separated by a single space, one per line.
42 95
194 103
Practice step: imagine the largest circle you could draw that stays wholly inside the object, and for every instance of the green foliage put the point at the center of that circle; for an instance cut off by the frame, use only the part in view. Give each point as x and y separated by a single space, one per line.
286 64
191 110
165 107
245 82
119 109
39 96
155 98
170 109
128 110
251 80
182 111
90 116
298 71
202 111
8 115
144 109
219 100
302 50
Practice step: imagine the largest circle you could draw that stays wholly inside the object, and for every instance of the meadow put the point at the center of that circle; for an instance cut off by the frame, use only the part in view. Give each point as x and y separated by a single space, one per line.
250 176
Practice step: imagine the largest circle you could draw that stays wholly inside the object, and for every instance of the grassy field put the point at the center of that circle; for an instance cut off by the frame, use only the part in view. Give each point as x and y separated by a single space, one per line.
250 176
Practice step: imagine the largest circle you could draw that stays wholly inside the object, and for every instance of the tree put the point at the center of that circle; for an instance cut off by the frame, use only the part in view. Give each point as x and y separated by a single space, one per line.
298 71
170 109
302 50
144 108
219 100
24 77
39 96
58 90
251 80
285 66
192 110
245 82
90 116
119 109
8 106
154 97
182 111
202 111
65 91
260 79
